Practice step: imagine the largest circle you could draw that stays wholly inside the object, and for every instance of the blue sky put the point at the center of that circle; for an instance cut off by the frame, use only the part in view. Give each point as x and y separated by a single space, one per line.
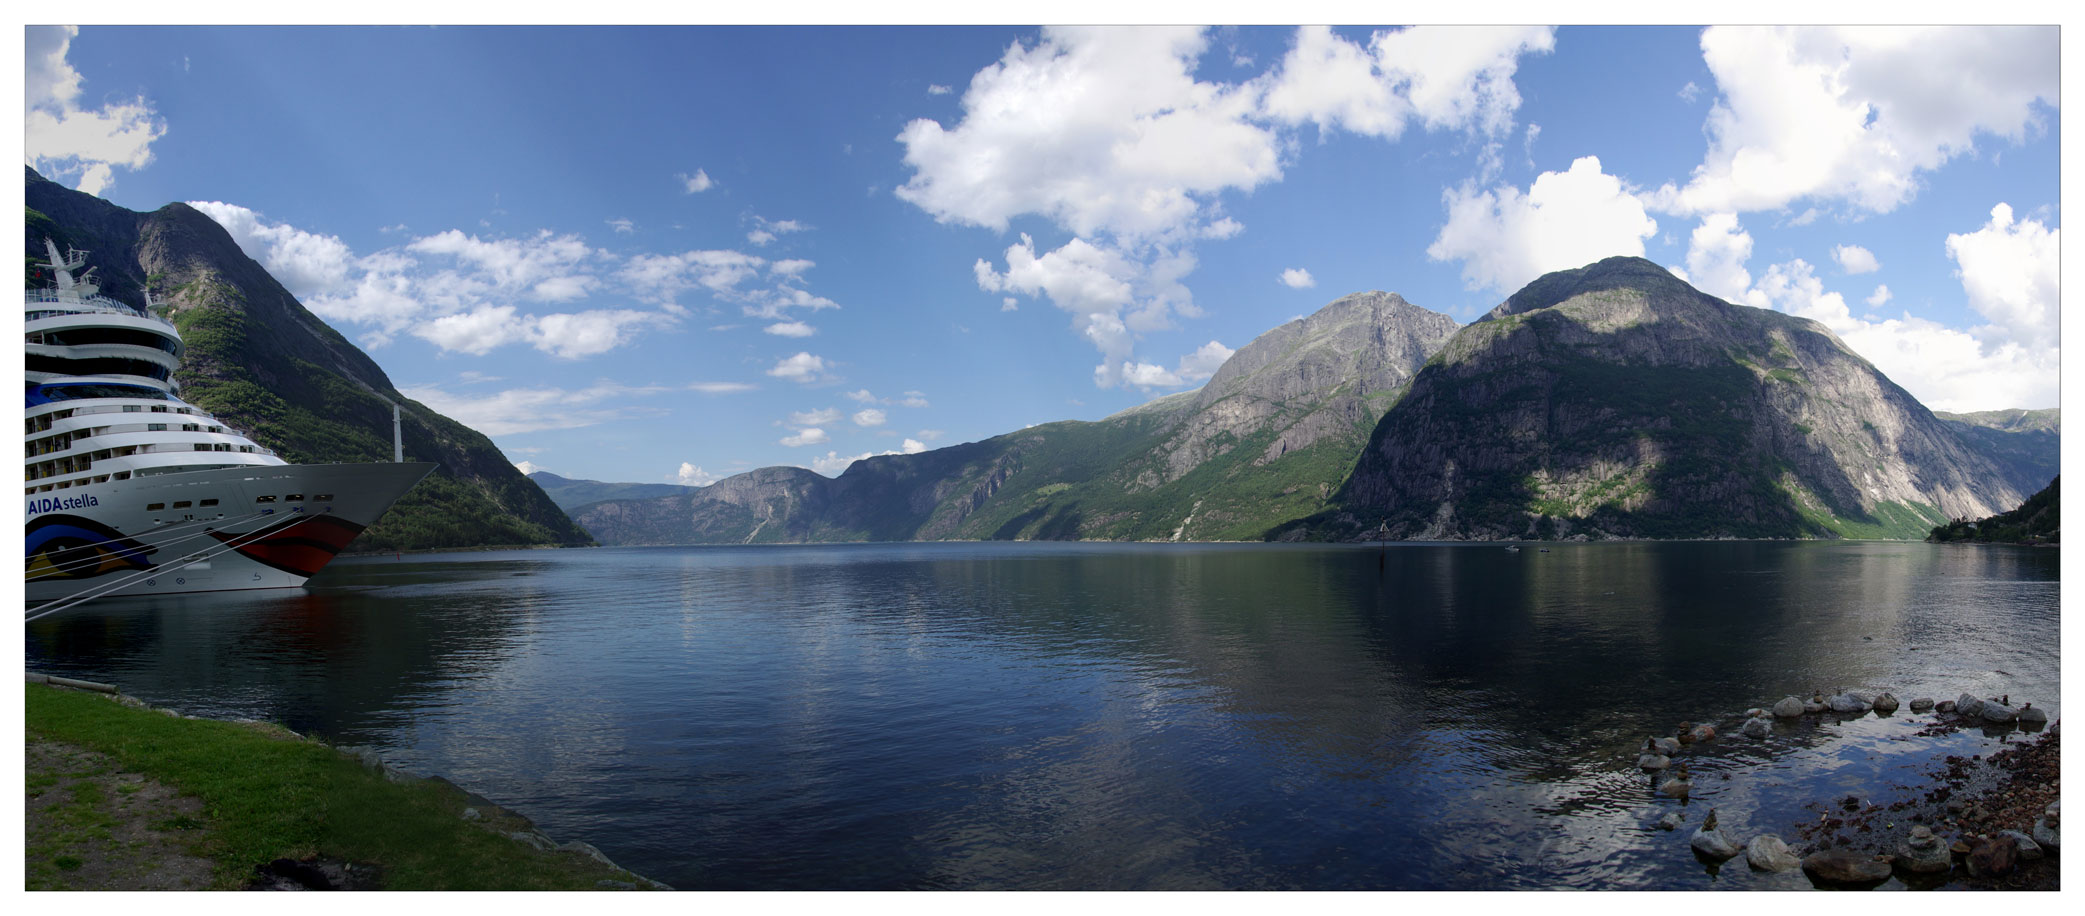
675 254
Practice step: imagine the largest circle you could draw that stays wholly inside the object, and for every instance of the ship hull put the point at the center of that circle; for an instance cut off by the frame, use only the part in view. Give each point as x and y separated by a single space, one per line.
254 527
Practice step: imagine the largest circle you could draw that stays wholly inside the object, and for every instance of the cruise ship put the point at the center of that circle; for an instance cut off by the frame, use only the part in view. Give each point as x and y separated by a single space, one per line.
133 491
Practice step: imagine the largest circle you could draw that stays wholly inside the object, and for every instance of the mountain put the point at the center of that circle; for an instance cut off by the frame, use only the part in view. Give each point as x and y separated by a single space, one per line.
257 359
1615 400
570 494
2026 444
1267 440
2036 521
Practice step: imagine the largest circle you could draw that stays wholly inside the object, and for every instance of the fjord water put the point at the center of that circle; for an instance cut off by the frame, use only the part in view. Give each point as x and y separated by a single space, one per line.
1114 715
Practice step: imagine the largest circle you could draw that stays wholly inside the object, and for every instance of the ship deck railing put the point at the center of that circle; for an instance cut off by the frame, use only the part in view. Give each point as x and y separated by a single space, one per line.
95 305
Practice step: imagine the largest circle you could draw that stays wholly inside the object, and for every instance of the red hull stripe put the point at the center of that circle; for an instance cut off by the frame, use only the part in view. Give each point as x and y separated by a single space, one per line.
301 549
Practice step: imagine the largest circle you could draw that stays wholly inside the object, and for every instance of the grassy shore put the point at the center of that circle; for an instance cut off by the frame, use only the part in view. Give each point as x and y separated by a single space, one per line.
264 794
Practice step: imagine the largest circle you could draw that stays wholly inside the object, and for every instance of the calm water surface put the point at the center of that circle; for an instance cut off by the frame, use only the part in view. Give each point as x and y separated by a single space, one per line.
1110 715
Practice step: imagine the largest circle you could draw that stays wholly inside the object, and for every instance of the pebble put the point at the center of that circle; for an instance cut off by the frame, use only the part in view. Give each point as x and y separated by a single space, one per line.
1671 821
1921 704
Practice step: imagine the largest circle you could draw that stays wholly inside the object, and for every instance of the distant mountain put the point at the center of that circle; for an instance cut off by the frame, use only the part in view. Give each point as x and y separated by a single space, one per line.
2036 521
1615 400
2026 444
570 494
1266 441
256 358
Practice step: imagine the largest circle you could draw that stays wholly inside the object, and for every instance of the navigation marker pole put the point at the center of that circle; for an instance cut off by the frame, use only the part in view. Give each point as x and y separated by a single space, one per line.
397 438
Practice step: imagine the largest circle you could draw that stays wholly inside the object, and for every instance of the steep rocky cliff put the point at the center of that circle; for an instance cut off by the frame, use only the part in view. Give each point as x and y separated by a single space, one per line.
256 358
2026 444
1617 401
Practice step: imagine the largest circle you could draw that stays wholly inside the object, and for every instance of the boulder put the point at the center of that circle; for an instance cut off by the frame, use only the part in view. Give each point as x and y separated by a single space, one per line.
2030 851
1862 696
1754 713
1653 762
1757 728
1885 703
1668 746
1766 852
2046 834
1921 704
1788 708
1994 711
1847 703
2032 716
1925 854
1844 866
1813 707
1710 842
1967 705
1944 706
1993 857
1671 821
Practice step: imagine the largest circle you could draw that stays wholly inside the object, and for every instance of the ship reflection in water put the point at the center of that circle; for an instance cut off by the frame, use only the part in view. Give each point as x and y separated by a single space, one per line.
1115 716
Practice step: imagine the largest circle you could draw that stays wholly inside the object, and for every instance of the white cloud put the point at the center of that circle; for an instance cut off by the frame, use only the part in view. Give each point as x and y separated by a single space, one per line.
760 236
1297 278
2009 269
803 367
623 225
810 436
1855 113
1104 130
1716 257
1089 282
696 183
1447 78
1204 361
1854 259
521 410
913 447
1009 304
721 387
691 475
913 399
791 329
528 467
862 396
792 268
1878 298
832 464
938 89
664 276
547 267
1566 219
869 417
1944 368
305 263
62 140
819 417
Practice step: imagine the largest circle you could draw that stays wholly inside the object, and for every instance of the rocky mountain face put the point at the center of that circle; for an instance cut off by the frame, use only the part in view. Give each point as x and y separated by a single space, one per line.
257 359
1617 401
570 494
2039 520
1267 440
2026 444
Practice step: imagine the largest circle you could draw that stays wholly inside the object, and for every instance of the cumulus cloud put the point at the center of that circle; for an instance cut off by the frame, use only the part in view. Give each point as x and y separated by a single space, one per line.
938 89
1946 369
862 395
1854 114
2009 269
692 475
527 467
913 399
1716 256
523 410
1566 219
696 183
305 263
803 368
869 417
1879 297
63 140
1455 77
913 447
819 417
809 436
1297 278
623 225
1854 259
1194 367
791 329
720 387
1111 299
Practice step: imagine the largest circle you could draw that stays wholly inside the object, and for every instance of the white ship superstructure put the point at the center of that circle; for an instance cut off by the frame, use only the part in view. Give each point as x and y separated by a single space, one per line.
133 491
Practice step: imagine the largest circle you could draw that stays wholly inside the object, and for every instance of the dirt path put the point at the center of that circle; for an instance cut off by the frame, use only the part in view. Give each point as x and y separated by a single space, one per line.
92 826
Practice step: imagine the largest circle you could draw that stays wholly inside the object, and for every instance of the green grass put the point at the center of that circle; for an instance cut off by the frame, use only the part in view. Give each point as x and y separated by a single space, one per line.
266 796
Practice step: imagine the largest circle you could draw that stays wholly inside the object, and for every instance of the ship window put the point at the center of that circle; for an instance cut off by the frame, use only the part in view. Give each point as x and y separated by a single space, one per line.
155 427
190 428
294 498
183 504
133 408
155 507
202 446
158 409
208 503
322 497
122 475
264 499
